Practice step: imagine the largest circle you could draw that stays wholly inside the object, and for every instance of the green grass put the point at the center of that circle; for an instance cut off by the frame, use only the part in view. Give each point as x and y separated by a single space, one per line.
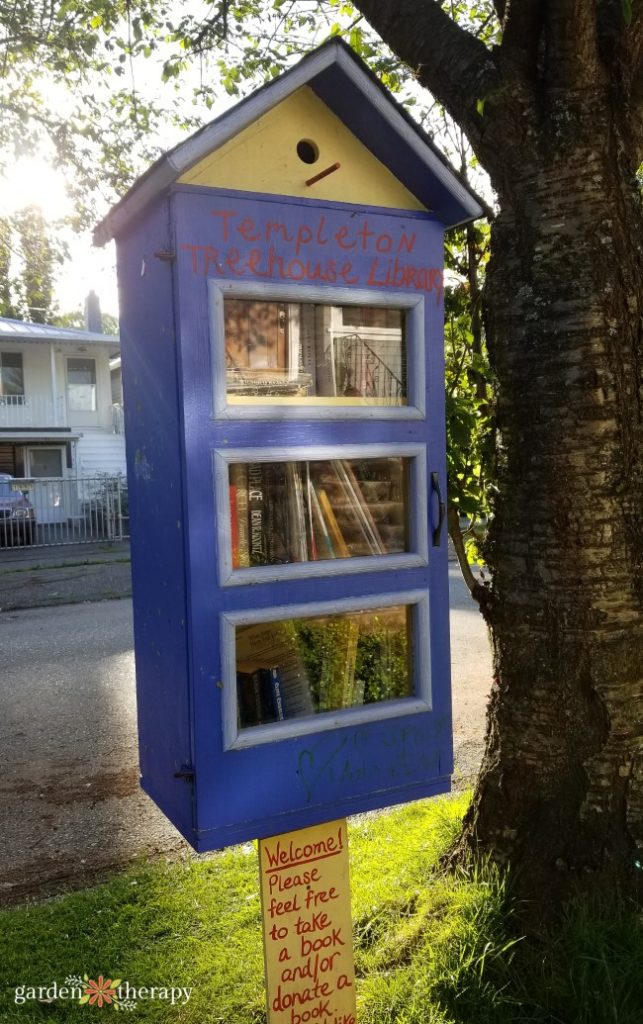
429 948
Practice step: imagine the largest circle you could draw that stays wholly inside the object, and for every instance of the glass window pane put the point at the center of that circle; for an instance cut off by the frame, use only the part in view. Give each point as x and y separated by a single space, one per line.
81 385
283 512
309 353
294 668
11 374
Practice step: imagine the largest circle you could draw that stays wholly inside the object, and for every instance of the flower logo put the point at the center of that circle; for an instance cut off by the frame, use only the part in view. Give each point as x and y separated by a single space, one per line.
100 993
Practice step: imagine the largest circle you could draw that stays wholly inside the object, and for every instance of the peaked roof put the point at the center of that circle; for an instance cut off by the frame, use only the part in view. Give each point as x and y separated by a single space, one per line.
352 92
21 330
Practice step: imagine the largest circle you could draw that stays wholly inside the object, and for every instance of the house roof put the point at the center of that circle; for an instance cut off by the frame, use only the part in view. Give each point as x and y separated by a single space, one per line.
19 330
350 90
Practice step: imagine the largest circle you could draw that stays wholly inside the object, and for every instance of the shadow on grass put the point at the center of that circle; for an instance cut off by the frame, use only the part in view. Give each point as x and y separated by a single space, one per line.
429 948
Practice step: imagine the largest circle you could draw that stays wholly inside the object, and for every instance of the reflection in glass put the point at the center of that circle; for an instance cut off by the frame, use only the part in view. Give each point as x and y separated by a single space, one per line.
284 512
293 668
307 353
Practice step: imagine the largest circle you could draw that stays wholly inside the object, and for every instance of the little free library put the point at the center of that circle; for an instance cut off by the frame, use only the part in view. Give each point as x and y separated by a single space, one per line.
281 284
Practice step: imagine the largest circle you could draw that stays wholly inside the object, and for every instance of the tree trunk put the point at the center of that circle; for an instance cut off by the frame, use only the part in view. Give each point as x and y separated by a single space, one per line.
560 795
554 111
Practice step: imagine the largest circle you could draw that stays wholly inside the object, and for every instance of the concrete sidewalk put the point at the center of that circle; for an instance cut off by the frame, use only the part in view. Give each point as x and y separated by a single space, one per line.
33 577
68 574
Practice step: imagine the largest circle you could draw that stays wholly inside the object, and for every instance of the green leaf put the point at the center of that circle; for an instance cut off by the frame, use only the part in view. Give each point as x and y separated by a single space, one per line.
480 104
626 6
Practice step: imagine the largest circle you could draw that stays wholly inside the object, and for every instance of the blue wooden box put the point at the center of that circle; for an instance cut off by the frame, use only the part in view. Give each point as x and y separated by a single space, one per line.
232 215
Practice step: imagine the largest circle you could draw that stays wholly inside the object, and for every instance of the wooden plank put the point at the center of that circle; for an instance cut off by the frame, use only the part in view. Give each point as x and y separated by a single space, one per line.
307 929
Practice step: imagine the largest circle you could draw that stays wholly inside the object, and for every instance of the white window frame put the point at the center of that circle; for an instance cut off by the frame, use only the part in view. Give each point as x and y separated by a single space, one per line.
417 511
412 303
19 399
86 359
421 702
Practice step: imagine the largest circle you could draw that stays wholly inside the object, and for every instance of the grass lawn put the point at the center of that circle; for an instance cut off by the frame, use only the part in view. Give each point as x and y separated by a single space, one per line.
429 949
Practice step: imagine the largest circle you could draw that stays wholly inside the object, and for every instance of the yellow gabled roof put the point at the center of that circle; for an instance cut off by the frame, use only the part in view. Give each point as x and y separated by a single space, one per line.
263 158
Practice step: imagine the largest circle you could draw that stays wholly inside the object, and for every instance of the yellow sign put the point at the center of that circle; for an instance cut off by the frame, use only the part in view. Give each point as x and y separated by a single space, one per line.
307 931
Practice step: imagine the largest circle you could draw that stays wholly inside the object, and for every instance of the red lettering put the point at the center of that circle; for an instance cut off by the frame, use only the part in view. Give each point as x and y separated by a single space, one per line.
321 239
340 238
194 249
255 257
372 273
279 907
406 242
346 274
233 256
383 243
277 228
211 258
316 924
304 236
225 215
247 230
365 234
298 266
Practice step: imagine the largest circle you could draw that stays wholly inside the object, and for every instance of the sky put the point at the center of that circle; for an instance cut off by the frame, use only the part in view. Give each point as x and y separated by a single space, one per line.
33 180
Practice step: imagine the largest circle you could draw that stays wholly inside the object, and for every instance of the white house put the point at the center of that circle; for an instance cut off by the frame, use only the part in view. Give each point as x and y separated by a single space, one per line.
57 416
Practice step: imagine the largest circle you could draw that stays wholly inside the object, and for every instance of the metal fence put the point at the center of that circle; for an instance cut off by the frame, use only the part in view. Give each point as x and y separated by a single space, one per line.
44 512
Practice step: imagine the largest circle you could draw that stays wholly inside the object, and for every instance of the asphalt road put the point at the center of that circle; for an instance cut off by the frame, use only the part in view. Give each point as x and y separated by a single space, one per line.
70 806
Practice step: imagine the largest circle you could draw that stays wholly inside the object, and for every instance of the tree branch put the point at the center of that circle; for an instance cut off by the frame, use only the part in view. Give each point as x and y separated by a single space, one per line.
572 58
485 91
455 66
479 592
522 31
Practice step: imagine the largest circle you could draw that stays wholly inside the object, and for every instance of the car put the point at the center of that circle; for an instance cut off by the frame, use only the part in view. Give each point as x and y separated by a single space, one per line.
17 514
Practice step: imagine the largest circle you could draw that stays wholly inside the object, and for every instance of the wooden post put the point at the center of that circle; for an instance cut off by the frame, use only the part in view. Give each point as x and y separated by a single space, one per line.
307 929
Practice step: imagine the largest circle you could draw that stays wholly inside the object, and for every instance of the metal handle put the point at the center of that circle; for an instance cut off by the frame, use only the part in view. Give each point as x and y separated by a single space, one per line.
442 509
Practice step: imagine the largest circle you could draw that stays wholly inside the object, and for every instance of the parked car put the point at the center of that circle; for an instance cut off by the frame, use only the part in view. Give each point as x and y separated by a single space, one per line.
17 514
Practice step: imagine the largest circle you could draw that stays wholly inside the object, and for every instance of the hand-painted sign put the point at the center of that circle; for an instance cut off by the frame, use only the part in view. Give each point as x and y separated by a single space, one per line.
307 929
319 248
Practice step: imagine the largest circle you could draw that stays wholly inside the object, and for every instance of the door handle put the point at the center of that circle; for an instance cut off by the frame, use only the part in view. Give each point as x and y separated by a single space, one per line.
442 510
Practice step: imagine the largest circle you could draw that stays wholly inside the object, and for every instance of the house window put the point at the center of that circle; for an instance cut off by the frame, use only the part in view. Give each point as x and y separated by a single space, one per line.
12 384
81 385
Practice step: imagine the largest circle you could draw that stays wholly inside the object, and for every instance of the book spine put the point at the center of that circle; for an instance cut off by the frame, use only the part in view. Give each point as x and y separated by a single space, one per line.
326 545
298 546
348 480
256 514
277 694
239 481
234 527
333 526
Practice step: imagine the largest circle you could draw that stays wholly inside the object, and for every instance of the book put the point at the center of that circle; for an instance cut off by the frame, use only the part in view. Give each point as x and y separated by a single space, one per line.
358 504
339 543
276 691
234 526
239 514
275 645
297 514
254 698
325 545
257 536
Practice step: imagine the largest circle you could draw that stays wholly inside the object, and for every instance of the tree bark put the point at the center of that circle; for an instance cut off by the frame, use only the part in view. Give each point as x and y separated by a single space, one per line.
560 795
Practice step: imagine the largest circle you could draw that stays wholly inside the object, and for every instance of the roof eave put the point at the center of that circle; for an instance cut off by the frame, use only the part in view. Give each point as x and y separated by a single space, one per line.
176 162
